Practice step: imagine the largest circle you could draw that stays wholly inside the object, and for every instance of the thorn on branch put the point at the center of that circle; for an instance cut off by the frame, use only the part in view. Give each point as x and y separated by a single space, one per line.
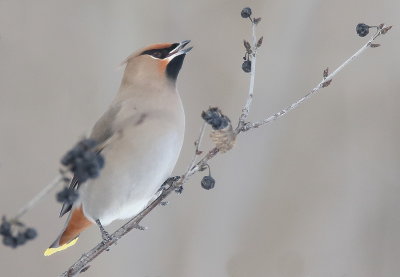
374 45
247 46
327 83
259 42
326 72
256 20
386 29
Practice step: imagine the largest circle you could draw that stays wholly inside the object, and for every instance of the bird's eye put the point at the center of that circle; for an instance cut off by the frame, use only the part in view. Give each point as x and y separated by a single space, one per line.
157 54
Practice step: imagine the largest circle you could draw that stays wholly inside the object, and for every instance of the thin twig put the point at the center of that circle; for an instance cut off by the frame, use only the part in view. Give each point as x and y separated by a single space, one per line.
252 125
38 197
246 108
196 150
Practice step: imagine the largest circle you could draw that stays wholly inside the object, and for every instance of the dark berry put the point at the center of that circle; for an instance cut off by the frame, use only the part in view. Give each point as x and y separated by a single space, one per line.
30 233
67 195
21 239
362 29
246 12
10 241
207 182
246 66
5 228
215 118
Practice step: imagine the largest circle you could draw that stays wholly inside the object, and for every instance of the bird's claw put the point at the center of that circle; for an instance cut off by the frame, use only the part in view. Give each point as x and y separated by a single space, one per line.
167 183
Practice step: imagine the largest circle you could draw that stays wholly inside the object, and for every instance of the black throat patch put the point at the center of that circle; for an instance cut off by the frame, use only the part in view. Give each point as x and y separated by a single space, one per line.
174 66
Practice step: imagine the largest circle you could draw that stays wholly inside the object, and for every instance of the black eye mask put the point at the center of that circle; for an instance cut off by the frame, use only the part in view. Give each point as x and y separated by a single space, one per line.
160 53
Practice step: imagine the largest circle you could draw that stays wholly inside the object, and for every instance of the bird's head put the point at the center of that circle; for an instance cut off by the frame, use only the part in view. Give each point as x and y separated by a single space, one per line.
161 62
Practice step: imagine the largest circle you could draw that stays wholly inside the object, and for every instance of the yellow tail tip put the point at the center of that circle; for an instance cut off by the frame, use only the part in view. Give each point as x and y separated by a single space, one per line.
51 251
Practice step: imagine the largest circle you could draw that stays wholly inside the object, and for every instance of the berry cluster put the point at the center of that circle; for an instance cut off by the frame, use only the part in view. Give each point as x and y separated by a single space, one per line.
362 29
83 161
15 233
215 118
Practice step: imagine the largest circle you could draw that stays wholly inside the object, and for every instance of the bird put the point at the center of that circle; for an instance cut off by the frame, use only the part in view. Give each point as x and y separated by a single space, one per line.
141 136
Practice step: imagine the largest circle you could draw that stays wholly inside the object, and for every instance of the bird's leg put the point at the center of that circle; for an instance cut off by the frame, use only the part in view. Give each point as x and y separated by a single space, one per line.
104 234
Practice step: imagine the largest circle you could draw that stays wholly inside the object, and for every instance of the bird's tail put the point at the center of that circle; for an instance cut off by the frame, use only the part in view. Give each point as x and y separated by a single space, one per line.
76 223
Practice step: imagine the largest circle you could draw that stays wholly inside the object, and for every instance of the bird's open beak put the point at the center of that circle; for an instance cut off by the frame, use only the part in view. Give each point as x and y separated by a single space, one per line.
180 49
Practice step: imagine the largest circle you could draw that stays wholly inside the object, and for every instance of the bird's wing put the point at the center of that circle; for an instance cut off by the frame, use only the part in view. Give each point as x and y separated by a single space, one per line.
102 132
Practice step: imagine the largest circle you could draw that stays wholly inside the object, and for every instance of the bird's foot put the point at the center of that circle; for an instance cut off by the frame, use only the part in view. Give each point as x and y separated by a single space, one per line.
179 190
104 234
167 183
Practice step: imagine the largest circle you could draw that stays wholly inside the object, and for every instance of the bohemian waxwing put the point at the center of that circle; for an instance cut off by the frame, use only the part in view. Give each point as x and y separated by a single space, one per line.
141 136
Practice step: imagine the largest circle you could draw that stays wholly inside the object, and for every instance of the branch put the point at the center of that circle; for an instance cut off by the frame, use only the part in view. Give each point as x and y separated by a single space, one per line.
324 83
174 183
57 180
246 108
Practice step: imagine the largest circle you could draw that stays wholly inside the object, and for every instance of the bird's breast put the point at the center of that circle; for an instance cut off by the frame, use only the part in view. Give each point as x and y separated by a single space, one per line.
136 164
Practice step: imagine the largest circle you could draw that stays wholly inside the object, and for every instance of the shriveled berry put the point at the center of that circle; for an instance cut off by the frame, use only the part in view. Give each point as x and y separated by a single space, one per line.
207 182
30 233
5 228
67 195
246 12
83 161
21 239
10 241
246 66
362 29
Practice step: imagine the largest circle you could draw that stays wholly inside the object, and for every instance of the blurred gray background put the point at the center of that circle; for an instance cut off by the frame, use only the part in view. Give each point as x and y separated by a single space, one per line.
313 194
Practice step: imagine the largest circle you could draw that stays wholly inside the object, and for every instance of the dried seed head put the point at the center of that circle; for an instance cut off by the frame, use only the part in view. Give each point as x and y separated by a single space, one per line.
247 46
257 20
